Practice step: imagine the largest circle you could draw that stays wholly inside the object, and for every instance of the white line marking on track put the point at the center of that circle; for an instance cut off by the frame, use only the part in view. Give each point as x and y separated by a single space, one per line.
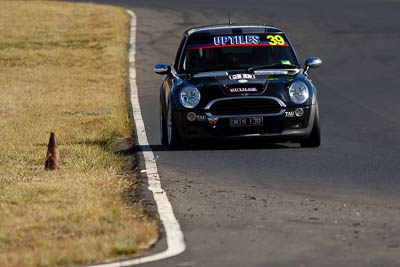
175 240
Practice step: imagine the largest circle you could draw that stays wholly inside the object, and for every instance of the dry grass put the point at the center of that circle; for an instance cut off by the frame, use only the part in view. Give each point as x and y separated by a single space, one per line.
63 69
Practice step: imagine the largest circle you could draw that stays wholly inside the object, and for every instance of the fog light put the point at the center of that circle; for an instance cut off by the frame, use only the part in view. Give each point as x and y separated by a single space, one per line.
299 112
191 116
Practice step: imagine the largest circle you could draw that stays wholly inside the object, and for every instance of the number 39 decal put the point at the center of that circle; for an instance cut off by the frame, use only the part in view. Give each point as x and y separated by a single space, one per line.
276 40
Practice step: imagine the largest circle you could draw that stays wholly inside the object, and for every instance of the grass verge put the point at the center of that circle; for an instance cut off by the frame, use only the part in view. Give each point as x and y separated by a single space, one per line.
63 68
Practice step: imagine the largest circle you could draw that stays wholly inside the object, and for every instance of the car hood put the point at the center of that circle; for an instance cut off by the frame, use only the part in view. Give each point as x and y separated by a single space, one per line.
242 84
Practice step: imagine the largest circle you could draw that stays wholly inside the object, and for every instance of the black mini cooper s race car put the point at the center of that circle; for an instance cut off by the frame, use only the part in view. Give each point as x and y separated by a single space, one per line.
238 81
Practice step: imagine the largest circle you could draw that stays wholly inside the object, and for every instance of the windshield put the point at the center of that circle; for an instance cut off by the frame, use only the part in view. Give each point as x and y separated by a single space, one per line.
231 52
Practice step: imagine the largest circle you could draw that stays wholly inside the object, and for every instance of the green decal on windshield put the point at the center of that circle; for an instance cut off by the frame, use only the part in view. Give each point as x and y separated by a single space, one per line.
286 62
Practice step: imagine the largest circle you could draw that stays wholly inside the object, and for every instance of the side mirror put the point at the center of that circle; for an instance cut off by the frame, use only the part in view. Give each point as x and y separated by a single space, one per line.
162 69
312 62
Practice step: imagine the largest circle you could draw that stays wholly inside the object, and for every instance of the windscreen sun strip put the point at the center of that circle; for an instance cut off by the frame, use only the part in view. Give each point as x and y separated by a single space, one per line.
241 40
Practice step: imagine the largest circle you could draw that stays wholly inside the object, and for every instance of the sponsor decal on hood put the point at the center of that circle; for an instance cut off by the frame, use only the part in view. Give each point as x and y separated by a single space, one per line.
243 90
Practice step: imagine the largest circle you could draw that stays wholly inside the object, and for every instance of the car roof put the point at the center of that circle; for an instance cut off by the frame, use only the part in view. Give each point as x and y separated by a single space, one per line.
231 29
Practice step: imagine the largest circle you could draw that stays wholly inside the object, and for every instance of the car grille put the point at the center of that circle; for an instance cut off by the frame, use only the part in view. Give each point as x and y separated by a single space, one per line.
245 106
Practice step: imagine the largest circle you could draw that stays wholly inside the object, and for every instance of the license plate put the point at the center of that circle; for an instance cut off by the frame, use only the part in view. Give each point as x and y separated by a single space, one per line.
250 121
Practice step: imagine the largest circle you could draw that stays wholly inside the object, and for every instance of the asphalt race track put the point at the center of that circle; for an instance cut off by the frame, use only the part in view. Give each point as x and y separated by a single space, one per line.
281 205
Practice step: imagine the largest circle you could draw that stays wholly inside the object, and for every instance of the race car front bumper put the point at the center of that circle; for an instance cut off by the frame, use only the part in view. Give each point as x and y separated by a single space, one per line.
280 128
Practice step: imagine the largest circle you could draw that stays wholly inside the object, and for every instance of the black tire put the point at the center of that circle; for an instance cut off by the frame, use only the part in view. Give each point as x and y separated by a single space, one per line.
163 127
174 141
314 140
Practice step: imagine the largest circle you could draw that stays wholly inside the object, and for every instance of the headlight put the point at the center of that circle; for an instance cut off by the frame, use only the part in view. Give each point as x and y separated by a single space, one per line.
189 97
298 92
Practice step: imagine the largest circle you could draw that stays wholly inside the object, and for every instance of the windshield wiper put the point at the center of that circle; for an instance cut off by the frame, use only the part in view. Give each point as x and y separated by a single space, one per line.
219 68
271 66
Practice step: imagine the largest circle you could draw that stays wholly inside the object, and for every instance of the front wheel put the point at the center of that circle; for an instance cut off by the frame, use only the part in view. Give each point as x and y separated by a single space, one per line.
174 140
314 140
